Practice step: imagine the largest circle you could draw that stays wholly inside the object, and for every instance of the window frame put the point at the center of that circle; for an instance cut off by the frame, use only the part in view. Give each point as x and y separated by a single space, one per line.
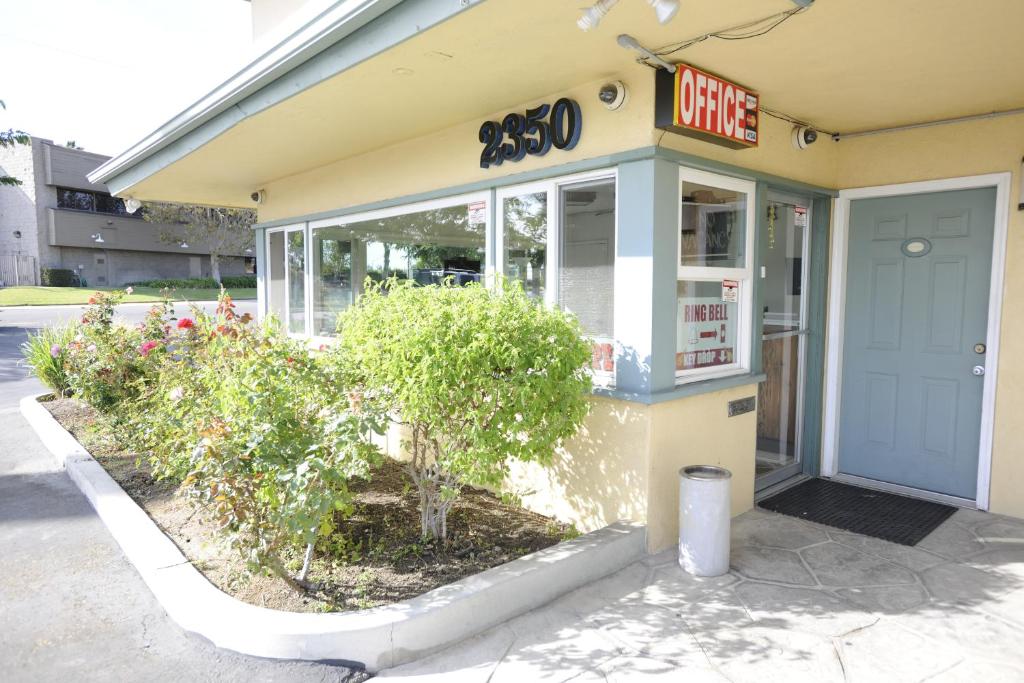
742 275
286 230
553 259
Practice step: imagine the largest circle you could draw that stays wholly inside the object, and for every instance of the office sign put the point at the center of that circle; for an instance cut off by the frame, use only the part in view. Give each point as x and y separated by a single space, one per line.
698 104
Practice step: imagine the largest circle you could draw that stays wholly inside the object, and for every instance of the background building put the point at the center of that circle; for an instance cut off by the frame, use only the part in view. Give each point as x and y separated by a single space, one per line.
56 218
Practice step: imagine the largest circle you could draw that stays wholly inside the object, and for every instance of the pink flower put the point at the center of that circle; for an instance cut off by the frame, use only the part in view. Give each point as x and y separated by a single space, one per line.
186 324
147 347
54 350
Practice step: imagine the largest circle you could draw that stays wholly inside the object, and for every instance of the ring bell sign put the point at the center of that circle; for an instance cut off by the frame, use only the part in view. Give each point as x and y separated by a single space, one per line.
698 104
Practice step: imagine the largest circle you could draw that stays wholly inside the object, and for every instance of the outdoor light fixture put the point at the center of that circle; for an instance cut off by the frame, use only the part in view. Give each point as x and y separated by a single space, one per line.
593 16
183 245
630 43
17 234
97 238
664 10
131 204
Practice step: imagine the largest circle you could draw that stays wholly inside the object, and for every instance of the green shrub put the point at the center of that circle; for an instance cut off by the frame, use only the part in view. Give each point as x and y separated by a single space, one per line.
189 283
239 281
251 423
229 282
57 277
479 378
46 352
107 363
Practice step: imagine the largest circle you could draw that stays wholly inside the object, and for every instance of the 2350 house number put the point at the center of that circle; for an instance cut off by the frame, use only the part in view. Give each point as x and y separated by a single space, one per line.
542 128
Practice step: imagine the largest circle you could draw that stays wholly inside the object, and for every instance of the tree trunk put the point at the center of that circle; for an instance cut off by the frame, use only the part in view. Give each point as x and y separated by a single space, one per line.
215 268
306 561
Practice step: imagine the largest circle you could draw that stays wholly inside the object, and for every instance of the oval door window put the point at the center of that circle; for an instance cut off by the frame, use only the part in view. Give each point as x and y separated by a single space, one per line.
917 246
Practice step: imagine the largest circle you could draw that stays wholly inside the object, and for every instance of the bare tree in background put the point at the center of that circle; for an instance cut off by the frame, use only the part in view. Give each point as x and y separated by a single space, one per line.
223 231
10 138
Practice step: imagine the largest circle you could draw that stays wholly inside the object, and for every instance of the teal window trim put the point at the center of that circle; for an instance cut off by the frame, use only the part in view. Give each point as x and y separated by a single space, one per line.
707 386
821 206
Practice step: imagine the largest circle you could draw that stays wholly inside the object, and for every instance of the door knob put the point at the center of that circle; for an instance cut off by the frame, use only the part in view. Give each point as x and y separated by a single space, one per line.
978 370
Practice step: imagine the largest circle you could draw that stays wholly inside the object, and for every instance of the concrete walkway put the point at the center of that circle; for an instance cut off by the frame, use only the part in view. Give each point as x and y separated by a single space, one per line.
802 603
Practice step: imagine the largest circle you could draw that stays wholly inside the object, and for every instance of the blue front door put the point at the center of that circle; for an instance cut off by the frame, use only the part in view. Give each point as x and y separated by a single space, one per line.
917 293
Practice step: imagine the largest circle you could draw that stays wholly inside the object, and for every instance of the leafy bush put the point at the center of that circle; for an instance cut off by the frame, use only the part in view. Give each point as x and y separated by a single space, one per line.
58 277
251 424
107 363
46 352
229 281
181 283
478 378
239 281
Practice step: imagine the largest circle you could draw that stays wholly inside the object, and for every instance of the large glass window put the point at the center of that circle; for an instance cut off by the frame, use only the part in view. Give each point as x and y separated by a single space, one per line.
99 202
586 278
524 221
296 282
276 275
429 246
713 291
333 286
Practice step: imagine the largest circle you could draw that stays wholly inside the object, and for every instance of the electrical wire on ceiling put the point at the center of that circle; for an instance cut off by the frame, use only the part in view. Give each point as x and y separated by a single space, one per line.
750 29
782 116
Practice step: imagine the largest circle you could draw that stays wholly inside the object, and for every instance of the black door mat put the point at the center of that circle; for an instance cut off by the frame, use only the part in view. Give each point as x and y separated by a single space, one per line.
887 516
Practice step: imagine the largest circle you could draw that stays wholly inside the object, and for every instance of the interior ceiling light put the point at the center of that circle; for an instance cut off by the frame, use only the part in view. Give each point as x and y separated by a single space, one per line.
664 10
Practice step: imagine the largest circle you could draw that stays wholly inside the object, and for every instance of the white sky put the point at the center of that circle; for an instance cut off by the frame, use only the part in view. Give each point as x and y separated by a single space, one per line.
105 73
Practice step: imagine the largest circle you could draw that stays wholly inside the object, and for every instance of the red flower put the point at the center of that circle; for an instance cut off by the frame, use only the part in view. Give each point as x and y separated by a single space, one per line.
147 347
92 300
186 324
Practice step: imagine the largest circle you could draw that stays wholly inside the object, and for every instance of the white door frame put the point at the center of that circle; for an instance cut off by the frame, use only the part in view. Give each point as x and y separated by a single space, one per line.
837 308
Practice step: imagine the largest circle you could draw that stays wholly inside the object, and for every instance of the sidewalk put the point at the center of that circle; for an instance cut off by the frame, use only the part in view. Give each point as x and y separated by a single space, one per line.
802 603
73 609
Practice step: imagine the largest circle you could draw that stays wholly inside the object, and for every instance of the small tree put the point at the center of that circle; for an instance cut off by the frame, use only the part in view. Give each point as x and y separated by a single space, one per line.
221 230
10 138
478 378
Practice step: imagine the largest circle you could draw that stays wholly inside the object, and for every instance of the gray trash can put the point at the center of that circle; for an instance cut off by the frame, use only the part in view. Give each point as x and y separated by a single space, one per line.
704 519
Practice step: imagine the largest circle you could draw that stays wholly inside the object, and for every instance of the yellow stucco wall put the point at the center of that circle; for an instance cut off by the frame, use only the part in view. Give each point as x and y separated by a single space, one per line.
450 157
600 476
697 431
980 147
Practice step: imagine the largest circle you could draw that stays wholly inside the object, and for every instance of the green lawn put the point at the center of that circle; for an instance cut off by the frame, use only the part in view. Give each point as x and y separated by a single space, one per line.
46 296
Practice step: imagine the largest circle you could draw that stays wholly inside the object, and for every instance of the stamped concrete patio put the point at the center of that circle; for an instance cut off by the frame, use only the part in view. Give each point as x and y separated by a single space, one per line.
802 602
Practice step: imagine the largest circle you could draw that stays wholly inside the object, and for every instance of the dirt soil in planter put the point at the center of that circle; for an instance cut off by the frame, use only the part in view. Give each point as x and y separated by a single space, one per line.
375 557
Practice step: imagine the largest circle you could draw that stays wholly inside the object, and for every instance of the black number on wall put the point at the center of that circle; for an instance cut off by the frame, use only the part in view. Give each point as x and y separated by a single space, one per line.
490 135
566 123
543 126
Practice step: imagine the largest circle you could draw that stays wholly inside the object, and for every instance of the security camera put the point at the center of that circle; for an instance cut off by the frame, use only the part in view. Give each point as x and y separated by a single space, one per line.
259 196
804 136
613 94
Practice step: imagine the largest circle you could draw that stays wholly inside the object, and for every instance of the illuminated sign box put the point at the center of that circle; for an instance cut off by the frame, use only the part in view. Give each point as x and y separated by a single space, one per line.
701 105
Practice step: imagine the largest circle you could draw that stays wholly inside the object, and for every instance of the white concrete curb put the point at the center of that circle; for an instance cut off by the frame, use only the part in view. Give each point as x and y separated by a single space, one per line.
378 638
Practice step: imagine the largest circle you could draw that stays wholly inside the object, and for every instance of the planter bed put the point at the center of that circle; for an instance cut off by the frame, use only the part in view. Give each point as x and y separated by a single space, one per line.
375 557
375 638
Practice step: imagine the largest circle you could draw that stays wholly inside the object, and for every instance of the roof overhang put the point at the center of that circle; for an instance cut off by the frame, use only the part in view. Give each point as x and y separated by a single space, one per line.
332 91
258 85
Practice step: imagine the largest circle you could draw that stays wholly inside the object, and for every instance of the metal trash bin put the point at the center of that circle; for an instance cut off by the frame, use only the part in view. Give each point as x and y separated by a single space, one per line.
704 519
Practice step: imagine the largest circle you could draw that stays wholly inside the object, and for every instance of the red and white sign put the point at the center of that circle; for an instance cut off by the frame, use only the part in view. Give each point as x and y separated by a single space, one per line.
730 291
705 333
708 106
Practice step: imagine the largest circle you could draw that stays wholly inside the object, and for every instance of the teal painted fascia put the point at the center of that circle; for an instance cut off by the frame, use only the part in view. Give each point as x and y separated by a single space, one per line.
337 51
707 386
